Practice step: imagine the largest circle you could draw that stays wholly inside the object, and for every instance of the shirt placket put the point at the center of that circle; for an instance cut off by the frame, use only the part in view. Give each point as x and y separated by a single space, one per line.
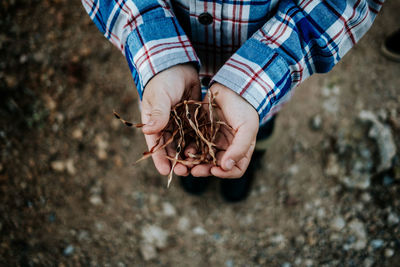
205 19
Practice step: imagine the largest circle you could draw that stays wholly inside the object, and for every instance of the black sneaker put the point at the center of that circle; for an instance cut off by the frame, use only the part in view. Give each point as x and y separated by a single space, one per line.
194 185
235 190
391 46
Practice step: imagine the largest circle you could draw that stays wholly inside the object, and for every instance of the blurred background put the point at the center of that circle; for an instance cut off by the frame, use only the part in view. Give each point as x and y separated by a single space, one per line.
327 193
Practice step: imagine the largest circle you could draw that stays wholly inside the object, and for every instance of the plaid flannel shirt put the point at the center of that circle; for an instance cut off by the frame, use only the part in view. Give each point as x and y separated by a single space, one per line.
261 49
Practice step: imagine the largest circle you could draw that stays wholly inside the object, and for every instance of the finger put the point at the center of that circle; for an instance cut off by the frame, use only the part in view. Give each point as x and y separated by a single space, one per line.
155 111
243 141
237 171
202 170
162 164
179 168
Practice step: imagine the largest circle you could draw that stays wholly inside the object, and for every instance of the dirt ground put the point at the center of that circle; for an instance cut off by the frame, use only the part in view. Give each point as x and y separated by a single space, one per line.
70 196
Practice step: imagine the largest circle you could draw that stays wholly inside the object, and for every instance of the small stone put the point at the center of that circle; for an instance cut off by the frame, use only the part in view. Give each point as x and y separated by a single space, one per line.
338 223
69 250
199 230
96 200
58 165
387 180
23 59
286 264
357 228
393 218
183 224
382 134
49 102
102 146
229 263
316 123
69 164
278 240
293 169
168 209
369 262
154 235
77 134
366 197
377 243
308 262
389 252
148 251
332 166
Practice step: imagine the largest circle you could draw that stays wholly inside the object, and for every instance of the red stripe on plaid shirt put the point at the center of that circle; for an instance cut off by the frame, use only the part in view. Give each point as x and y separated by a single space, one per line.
250 74
181 45
257 75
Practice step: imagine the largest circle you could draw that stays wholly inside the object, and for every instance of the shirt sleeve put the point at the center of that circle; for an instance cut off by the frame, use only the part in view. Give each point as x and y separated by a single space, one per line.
146 32
303 37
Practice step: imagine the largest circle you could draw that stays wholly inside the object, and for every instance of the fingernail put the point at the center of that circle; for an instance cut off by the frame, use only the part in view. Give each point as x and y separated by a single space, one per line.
229 164
150 123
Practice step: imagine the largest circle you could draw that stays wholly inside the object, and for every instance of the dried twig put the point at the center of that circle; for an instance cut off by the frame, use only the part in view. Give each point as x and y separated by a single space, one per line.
191 123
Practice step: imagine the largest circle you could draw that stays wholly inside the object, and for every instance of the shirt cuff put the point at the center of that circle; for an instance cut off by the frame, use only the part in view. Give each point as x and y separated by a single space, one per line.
260 75
155 46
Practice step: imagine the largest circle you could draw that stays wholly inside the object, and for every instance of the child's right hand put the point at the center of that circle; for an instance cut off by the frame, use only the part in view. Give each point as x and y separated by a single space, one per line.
162 92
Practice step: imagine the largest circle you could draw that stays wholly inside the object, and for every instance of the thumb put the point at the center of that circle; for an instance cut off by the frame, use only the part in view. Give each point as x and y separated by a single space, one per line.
241 143
155 113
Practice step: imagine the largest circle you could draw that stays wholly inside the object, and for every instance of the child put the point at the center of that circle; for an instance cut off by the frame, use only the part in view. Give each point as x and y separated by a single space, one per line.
252 52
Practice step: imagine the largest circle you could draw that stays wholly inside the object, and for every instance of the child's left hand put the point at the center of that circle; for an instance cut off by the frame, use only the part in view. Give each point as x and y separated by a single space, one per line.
239 146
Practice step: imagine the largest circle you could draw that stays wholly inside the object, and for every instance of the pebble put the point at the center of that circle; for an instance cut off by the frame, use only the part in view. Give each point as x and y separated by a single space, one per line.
58 165
154 235
229 263
382 134
369 262
332 166
77 134
69 165
377 243
168 209
148 251
392 218
387 180
198 230
357 228
102 146
96 200
366 197
279 240
183 224
286 264
69 250
338 223
389 252
316 122
308 262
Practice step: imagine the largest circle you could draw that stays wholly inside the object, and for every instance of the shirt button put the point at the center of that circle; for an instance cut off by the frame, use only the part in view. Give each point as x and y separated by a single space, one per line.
205 81
205 18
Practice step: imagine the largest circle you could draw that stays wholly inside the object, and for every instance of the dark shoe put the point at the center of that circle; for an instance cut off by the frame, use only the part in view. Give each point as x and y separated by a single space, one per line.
235 190
391 46
194 185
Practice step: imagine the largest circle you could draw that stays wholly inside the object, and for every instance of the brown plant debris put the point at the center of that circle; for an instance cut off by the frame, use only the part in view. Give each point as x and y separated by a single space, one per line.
191 123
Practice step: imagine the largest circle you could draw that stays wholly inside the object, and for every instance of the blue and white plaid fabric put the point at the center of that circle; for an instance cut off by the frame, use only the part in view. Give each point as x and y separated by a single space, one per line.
261 49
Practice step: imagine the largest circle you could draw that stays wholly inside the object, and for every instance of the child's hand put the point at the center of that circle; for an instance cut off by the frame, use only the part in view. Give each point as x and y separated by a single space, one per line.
239 146
162 92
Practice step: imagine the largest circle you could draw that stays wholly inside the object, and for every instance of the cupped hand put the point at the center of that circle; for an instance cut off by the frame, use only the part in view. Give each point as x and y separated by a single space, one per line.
236 145
162 92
